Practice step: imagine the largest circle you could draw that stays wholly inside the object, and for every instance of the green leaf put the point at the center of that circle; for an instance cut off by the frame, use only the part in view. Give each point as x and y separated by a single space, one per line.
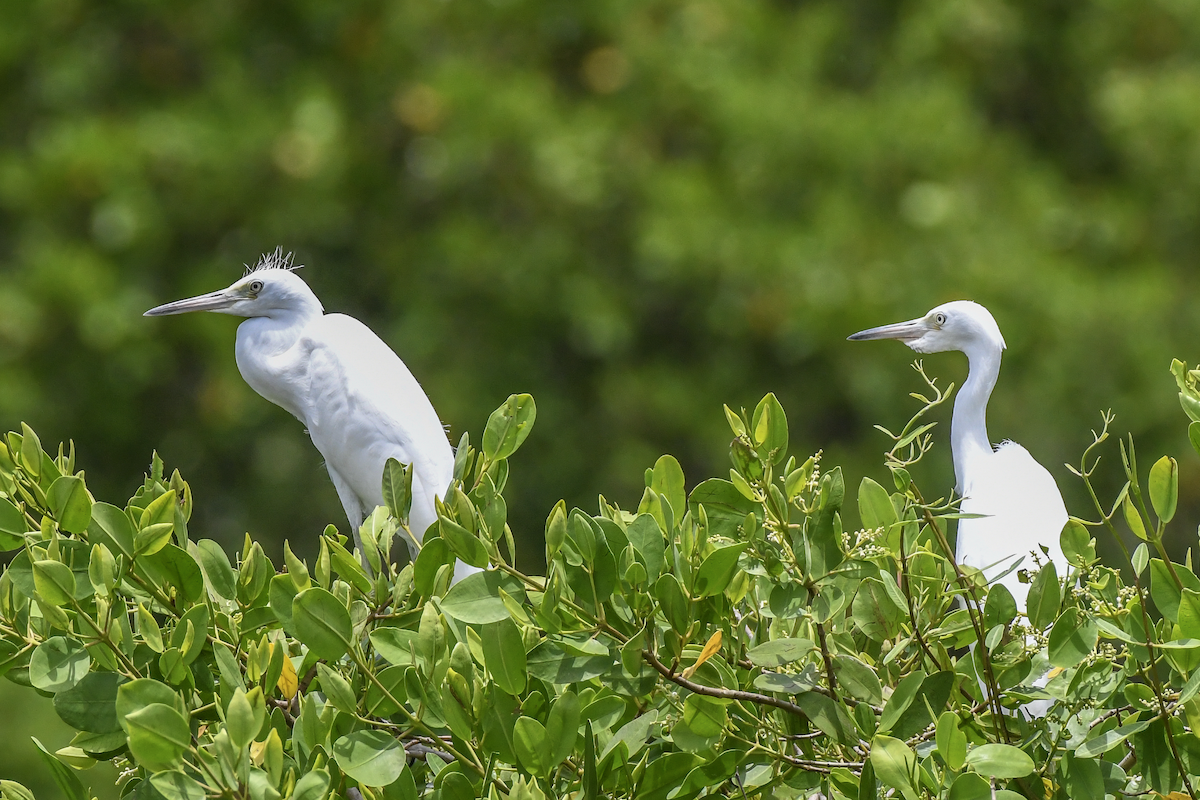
717 570
1077 544
148 629
1000 607
902 697
770 428
705 716
875 612
675 605
647 540
1000 761
313 785
217 568
1045 597
875 507
549 662
779 652
951 741
529 741
152 538
828 716
508 426
1165 591
1164 488
323 623
1072 638
57 664
667 481
562 728
504 655
1134 519
30 454
396 645
1106 741
933 693
1189 614
859 679
91 704
68 782
970 786
476 599
663 775
337 690
397 488
172 566
1084 780
894 764
158 736
240 720
12 523
140 693
604 711
54 581
725 505
464 544
69 500
371 757
175 785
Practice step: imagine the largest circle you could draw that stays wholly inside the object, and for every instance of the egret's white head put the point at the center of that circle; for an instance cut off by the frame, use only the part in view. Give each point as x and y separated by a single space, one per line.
960 325
269 289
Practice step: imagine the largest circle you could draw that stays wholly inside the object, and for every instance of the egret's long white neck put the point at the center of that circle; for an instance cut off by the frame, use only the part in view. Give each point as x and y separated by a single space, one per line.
968 428
269 360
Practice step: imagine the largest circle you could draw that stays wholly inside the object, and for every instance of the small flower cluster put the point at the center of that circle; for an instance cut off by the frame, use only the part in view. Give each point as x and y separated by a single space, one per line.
814 480
863 543
1125 596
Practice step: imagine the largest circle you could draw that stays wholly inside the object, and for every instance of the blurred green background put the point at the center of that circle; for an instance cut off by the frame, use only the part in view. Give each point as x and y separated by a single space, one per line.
636 211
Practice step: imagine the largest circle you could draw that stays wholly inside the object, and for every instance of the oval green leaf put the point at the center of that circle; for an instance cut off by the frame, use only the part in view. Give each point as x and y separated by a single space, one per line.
323 623
373 758
1000 761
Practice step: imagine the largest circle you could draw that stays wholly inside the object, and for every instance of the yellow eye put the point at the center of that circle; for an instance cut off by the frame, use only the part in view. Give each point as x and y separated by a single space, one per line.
256 287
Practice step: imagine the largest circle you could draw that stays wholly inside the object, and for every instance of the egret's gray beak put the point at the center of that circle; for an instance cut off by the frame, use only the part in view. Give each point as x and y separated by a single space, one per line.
213 301
904 331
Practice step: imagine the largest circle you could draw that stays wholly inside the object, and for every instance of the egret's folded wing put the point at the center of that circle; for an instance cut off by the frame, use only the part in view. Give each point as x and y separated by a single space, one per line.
1023 510
376 378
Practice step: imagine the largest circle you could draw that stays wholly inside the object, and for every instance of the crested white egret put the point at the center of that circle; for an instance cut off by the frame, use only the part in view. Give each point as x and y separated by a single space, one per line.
358 400
1022 507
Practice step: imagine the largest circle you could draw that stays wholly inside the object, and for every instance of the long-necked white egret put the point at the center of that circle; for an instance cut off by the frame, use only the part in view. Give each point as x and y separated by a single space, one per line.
1024 511
358 400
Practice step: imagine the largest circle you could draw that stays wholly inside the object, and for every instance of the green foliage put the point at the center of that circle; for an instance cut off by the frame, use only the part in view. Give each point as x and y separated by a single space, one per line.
737 641
637 211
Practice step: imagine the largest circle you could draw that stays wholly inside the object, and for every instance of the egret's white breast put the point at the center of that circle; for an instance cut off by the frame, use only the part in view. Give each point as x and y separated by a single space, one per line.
1024 511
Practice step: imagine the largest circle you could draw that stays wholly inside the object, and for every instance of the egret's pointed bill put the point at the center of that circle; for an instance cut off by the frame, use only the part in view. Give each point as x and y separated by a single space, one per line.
904 331
213 301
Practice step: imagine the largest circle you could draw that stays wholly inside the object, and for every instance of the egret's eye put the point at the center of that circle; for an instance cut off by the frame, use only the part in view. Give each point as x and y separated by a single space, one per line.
940 319
256 287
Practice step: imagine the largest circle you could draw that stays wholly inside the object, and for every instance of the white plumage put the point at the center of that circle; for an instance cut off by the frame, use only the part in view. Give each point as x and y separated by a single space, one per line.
1023 511
1022 508
360 403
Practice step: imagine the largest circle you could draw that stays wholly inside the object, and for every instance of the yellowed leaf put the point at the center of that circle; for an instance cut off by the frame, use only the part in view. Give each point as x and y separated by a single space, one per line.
1054 673
257 751
288 683
711 648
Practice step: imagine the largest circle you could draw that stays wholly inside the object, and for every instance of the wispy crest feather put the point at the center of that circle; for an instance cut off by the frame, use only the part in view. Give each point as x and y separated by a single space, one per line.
276 260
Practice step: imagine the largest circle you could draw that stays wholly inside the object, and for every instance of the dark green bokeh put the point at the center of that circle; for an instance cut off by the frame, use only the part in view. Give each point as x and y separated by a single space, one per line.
636 211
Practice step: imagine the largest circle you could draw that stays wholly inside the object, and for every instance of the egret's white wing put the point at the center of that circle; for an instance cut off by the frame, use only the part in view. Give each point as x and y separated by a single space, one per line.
1025 512
366 407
